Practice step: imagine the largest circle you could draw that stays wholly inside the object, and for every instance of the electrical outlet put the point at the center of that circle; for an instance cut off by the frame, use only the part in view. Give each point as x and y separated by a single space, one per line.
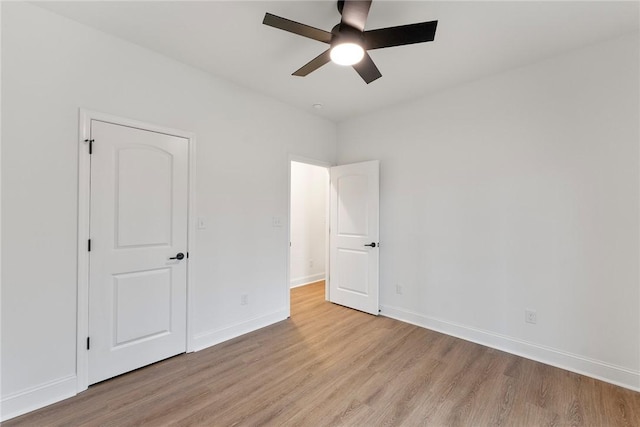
310 263
244 299
276 221
530 316
399 289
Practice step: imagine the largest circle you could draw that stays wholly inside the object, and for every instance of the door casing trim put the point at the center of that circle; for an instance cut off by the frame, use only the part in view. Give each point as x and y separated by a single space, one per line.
84 199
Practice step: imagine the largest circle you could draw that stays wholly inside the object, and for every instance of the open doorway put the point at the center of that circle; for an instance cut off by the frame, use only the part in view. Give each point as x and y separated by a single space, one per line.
350 244
309 223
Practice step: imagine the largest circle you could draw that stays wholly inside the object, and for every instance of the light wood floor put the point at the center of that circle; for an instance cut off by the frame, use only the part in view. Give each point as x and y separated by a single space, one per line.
329 365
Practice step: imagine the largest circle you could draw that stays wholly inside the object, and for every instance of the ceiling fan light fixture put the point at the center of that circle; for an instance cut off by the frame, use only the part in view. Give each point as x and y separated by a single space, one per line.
347 53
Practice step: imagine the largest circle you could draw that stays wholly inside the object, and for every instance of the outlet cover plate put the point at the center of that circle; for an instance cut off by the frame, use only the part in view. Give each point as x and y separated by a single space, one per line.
530 316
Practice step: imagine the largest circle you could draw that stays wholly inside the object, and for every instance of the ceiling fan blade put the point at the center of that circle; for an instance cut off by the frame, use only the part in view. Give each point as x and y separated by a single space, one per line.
297 28
314 64
355 12
367 69
401 35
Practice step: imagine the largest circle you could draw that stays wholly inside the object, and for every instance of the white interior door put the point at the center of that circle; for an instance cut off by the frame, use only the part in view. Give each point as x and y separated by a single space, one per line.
354 256
138 222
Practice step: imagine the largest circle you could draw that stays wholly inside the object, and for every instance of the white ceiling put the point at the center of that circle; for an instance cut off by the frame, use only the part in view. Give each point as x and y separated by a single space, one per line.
473 39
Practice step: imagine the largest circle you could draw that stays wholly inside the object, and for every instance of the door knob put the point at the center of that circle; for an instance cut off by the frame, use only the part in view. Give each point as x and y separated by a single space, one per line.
178 256
372 244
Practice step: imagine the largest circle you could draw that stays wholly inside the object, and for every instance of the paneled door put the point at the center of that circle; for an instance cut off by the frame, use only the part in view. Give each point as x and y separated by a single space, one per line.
137 258
353 246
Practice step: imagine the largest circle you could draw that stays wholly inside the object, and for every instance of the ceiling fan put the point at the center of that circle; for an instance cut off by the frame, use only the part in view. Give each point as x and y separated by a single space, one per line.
348 40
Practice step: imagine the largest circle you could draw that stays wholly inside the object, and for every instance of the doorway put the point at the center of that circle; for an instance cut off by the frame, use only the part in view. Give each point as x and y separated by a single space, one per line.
351 234
308 222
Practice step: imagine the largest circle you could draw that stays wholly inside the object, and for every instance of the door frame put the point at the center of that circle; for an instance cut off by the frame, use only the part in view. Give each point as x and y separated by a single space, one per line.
312 162
84 200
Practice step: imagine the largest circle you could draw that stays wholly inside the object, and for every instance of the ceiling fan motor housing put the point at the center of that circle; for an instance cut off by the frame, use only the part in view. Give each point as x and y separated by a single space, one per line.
343 33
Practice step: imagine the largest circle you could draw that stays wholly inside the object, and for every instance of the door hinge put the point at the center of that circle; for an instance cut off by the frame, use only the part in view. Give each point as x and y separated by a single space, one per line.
88 343
90 141
89 245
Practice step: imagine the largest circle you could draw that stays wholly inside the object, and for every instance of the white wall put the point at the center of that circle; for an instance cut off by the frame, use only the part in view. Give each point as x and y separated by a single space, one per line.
519 191
309 192
516 191
53 66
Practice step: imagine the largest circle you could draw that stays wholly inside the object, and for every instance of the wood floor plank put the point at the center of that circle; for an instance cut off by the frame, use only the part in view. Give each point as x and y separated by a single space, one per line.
332 366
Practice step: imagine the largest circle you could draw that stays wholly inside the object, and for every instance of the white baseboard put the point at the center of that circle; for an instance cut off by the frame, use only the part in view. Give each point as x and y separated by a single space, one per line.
207 339
307 280
607 372
37 397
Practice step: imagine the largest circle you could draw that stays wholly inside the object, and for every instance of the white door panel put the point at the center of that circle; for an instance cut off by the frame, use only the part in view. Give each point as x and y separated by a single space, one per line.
148 292
354 220
138 220
148 223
